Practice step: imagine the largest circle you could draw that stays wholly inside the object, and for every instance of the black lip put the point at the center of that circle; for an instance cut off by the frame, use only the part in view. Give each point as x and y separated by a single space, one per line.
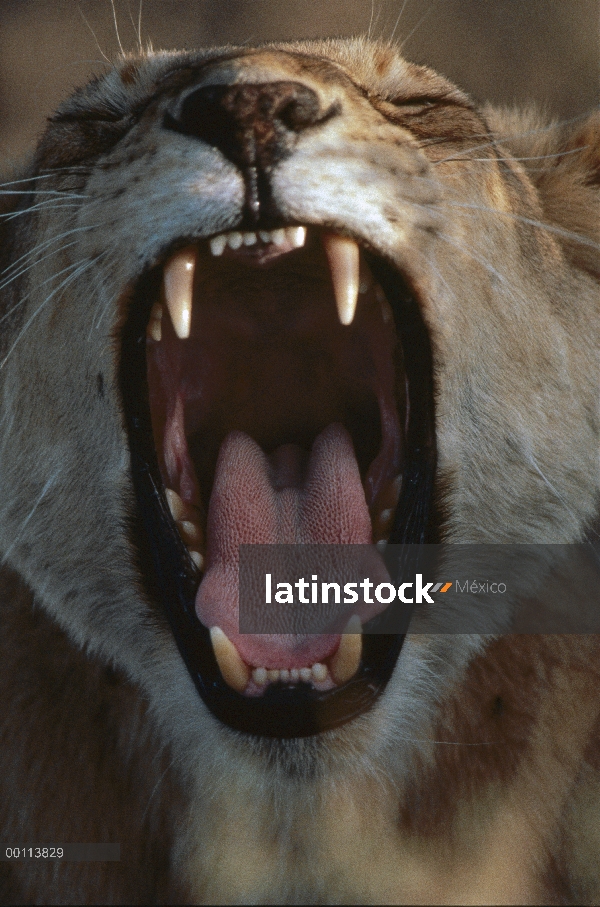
171 580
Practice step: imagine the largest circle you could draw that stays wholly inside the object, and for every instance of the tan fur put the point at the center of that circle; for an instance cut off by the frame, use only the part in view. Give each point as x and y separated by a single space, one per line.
475 777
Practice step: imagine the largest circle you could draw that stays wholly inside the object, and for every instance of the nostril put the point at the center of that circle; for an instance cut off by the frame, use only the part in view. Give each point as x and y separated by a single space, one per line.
222 114
298 113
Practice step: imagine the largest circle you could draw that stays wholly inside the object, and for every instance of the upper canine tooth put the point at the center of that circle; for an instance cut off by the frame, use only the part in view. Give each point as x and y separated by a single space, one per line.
178 279
217 244
344 262
297 236
346 660
235 672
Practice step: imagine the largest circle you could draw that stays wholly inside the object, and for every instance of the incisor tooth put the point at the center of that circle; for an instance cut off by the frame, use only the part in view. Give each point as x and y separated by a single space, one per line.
319 672
305 674
344 262
234 240
259 676
249 239
346 660
178 278
217 244
235 672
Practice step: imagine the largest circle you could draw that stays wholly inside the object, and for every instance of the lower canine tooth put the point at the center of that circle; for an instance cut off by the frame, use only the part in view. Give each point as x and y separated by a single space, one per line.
344 263
346 660
235 672
178 278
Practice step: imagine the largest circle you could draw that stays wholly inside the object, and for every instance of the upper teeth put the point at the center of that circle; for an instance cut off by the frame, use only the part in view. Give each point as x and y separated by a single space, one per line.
343 255
295 236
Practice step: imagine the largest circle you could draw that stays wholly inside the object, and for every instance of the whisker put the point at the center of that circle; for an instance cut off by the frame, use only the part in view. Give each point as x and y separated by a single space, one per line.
50 482
32 252
400 14
81 268
27 296
108 60
47 205
533 157
41 192
114 12
549 228
500 138
416 28
478 258
28 267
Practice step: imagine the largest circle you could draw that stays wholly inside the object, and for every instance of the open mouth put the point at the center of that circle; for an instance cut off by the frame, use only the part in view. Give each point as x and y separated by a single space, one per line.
277 387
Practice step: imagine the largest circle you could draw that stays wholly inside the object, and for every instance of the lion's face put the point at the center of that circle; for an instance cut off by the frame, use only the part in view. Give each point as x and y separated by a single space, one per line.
293 295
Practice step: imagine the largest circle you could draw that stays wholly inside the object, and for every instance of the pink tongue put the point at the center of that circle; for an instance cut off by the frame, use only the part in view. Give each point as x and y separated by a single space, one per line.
271 500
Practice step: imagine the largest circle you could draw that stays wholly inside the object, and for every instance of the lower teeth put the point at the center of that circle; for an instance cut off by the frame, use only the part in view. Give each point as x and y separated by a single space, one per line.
318 673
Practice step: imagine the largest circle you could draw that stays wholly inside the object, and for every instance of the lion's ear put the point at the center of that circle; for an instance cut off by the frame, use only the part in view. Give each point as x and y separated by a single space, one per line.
563 162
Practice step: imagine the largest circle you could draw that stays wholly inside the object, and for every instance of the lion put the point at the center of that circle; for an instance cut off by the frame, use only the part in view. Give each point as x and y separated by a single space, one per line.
301 294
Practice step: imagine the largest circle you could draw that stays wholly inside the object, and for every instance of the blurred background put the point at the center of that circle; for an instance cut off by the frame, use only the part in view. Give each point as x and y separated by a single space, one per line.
507 51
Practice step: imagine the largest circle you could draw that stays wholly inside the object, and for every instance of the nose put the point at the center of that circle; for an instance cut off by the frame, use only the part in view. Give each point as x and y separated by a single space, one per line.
250 124
253 125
